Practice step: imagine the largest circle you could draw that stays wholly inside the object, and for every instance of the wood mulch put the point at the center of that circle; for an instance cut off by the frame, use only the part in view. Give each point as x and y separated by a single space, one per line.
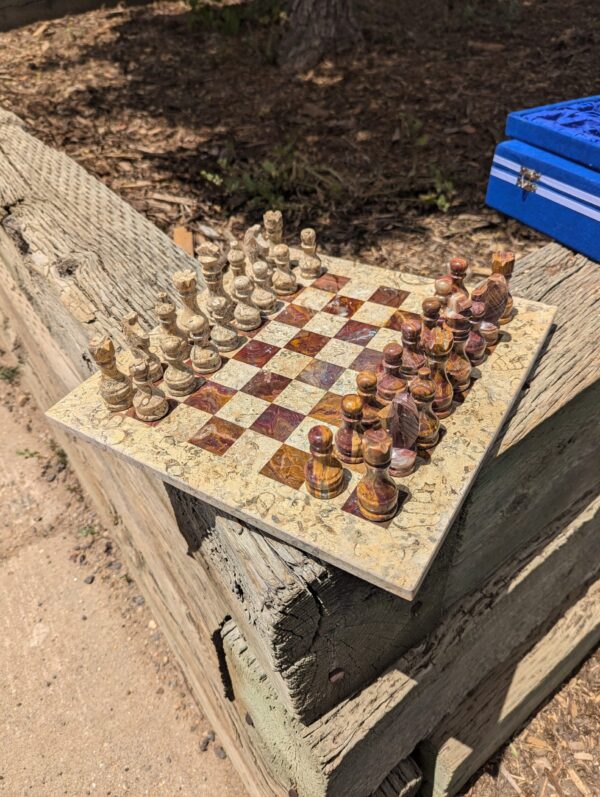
385 151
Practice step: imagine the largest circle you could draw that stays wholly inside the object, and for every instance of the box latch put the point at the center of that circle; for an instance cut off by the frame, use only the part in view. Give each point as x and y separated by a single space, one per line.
527 179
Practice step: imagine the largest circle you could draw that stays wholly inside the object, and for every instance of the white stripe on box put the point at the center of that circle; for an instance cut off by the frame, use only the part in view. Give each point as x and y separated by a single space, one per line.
551 182
545 193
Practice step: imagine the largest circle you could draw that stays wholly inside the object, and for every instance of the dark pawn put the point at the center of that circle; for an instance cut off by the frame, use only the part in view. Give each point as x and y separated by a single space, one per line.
475 347
348 441
431 315
422 390
504 263
438 349
366 387
323 472
458 272
392 360
493 294
458 366
412 357
404 429
377 492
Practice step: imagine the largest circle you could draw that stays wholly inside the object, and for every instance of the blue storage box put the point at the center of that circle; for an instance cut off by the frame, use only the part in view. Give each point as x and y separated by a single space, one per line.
548 175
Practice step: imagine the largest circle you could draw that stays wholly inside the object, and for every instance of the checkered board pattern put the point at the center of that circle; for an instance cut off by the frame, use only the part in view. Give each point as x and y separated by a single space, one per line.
240 440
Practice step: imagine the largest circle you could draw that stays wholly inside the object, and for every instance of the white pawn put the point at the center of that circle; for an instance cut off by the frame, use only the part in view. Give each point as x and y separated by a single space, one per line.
284 281
205 357
237 260
246 315
149 403
310 262
262 295
179 378
222 334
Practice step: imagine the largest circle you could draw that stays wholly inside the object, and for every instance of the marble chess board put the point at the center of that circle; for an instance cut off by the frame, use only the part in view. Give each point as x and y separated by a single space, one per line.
239 442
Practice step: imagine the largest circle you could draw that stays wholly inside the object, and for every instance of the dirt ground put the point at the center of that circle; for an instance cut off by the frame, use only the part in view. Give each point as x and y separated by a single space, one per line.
385 151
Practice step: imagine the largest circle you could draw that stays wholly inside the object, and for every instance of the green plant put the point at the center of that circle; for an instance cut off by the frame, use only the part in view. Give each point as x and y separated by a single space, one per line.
27 453
276 181
88 531
59 453
9 374
230 18
441 193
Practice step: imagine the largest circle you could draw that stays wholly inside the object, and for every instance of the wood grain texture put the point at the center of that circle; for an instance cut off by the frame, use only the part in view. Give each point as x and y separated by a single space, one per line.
464 740
84 257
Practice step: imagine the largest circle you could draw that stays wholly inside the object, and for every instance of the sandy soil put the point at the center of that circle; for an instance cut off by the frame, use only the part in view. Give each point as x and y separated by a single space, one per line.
91 701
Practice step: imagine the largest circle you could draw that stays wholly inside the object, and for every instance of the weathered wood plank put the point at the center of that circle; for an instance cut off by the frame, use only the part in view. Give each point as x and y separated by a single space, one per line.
464 741
349 750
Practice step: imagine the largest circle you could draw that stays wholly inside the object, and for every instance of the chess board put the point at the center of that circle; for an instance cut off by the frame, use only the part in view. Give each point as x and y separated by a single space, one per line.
239 442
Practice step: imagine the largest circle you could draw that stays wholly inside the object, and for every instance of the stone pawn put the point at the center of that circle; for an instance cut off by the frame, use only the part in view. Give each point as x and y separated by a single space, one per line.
204 355
377 493
262 295
139 344
223 335
149 403
323 472
245 315
284 281
115 386
348 444
179 378
310 262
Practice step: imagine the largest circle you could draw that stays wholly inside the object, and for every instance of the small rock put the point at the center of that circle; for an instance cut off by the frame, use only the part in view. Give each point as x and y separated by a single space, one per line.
50 477
152 625
22 399
139 600
206 740
89 579
115 565
219 752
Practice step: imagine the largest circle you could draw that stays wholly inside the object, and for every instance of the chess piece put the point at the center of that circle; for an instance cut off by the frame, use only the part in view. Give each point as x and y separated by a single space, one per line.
323 472
377 493
273 228
209 257
392 359
388 387
422 390
443 289
167 316
246 316
115 387
139 344
493 294
412 356
262 295
250 243
458 365
458 272
149 403
310 262
431 315
284 280
204 355
366 388
504 263
222 334
404 430
179 378
186 285
348 445
438 349
237 260
475 347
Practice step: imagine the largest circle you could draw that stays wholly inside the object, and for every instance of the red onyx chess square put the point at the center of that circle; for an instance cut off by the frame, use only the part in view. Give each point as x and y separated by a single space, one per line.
357 332
320 374
266 385
391 297
295 316
367 360
217 435
287 466
277 422
305 342
331 282
255 352
343 305
210 397
399 317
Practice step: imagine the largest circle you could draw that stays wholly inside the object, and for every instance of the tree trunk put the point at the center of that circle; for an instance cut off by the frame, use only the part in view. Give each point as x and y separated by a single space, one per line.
317 28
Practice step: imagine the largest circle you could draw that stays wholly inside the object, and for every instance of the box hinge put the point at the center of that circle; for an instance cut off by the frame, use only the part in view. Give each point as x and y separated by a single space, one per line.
527 179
